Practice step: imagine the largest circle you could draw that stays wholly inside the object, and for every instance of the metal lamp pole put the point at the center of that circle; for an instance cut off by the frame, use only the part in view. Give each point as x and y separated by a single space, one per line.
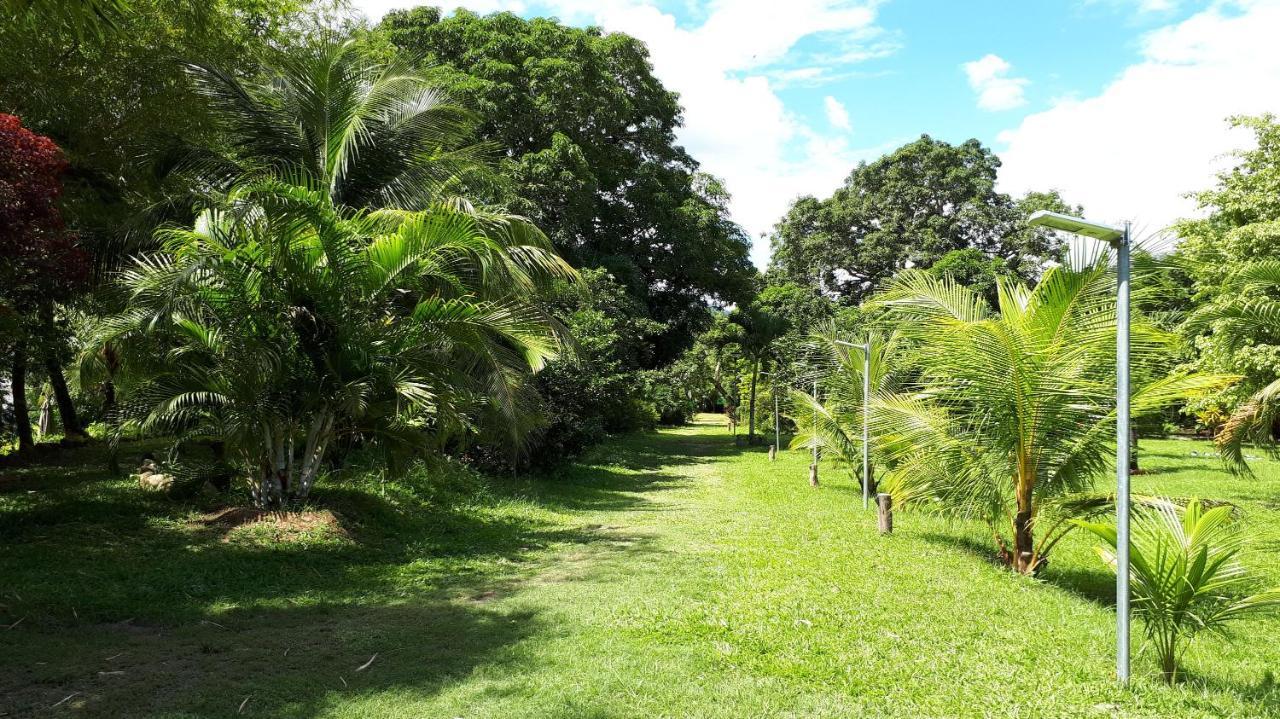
866 401
1119 239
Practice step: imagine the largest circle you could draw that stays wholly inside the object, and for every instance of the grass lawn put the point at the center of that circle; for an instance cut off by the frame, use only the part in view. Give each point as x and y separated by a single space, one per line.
669 574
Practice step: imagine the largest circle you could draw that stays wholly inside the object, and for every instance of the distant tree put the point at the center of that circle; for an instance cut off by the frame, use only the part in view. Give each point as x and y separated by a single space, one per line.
974 269
589 137
43 264
908 209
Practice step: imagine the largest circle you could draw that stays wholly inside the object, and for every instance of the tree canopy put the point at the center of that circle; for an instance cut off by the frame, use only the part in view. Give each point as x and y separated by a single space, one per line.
588 138
907 209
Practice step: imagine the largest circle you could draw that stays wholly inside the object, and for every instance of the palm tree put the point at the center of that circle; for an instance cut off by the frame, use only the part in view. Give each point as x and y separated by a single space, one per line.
332 286
1250 310
277 323
760 328
1186 574
1014 406
369 134
836 424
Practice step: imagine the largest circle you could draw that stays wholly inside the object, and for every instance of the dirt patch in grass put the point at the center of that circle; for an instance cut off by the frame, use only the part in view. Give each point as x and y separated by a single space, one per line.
246 523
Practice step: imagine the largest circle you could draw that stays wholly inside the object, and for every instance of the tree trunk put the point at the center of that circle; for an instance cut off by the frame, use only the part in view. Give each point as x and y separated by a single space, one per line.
44 422
1023 543
108 399
1168 663
18 385
751 423
66 408
1024 548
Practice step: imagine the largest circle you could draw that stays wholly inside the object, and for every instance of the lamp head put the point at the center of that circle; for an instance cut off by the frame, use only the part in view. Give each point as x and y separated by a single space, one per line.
1076 226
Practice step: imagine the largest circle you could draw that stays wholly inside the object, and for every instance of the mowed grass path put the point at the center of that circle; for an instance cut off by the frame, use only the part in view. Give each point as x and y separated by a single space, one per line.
670 574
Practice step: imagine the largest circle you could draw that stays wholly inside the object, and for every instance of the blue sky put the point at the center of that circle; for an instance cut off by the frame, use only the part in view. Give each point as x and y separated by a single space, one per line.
1119 104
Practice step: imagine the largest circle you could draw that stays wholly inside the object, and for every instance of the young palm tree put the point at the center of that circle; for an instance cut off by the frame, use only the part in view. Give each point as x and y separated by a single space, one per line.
1252 309
835 425
1186 574
278 322
1013 406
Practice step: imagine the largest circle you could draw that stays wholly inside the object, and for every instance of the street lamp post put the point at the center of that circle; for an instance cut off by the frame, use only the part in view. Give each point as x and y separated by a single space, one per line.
866 434
1119 239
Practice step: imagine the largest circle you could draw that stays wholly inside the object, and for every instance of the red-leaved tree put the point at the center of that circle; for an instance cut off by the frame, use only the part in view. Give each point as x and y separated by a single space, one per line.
41 263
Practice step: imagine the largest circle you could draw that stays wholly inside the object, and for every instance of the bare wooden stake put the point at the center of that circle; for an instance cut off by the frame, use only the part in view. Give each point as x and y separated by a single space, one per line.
773 452
885 503
813 475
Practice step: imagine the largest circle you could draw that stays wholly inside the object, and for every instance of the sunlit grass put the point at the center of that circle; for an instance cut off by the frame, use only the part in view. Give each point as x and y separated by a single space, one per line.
666 575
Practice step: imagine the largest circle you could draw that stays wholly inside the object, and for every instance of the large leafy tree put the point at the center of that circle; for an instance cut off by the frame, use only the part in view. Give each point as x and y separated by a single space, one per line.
907 209
589 136
334 287
1230 254
1014 406
43 264
109 99
81 17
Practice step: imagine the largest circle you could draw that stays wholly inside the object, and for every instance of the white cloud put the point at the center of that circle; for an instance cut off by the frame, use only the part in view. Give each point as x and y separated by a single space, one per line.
989 78
1158 131
727 70
837 115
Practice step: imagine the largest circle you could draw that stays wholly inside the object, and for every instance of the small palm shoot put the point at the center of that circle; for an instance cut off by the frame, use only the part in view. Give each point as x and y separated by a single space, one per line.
1185 574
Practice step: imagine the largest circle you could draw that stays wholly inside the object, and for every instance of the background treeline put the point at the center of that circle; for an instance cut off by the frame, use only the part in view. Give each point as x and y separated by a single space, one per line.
566 127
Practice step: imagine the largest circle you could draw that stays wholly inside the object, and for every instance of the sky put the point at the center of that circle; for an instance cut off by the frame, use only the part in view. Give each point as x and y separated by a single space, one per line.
1121 105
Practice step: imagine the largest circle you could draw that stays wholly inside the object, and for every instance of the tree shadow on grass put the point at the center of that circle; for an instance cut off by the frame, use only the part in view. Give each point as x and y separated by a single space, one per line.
94 569
1264 695
973 546
428 605
289 662
1094 585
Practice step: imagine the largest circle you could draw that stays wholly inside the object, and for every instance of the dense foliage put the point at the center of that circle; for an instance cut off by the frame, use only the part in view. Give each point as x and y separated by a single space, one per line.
588 138
43 264
600 388
333 292
1230 255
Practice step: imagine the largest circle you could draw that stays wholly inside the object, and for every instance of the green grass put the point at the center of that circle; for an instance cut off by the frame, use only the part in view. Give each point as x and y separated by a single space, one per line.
665 575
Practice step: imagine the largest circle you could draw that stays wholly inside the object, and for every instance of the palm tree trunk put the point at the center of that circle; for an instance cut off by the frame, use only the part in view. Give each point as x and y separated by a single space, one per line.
18 385
66 408
1167 648
751 423
1023 559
